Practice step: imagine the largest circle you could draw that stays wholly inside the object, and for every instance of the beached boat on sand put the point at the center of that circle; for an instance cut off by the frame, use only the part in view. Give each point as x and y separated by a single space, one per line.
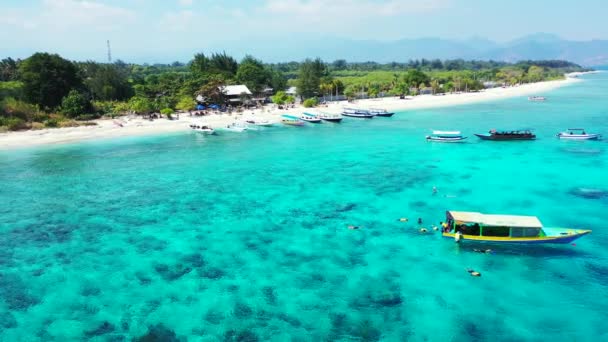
381 112
521 134
330 117
202 129
445 136
291 120
578 134
357 113
310 117
474 226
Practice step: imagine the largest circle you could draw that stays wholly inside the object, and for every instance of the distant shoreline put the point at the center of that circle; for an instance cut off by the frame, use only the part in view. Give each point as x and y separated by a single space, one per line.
107 128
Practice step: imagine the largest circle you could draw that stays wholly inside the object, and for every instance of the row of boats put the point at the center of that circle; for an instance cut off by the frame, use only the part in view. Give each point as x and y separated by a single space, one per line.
524 134
292 120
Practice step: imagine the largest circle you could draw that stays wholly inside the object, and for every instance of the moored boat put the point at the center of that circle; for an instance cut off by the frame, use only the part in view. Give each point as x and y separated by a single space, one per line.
330 117
474 226
537 98
235 127
310 117
578 134
258 122
357 113
445 136
202 129
522 134
381 112
291 120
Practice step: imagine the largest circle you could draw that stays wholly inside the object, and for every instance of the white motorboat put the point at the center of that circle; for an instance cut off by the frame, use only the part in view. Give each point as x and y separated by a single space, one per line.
578 134
258 122
202 129
357 113
330 117
235 127
445 136
310 117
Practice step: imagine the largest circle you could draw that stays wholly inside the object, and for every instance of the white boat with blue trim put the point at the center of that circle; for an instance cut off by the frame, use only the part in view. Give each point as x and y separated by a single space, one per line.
446 136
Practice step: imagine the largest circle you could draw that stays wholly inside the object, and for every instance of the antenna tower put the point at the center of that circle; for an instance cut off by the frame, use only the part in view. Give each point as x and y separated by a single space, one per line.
109 53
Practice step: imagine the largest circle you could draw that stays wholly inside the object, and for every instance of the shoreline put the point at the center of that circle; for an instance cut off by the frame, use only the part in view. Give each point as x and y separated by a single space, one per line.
132 127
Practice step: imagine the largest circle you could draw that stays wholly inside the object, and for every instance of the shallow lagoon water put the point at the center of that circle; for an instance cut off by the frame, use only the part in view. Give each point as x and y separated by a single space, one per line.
243 237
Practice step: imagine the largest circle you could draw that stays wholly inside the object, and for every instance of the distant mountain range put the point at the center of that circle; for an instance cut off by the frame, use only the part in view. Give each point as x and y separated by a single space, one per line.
536 46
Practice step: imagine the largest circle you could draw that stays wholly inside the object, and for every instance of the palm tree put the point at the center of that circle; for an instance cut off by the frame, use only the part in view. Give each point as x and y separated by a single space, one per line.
435 86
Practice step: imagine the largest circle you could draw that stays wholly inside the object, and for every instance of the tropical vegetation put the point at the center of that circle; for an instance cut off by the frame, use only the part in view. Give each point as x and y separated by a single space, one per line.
46 90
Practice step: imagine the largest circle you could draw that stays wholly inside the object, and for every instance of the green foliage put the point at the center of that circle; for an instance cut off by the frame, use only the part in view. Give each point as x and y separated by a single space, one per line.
253 74
309 77
74 104
141 105
13 123
13 108
350 92
12 89
278 82
290 99
107 82
279 98
167 112
47 79
310 102
212 91
51 123
185 103
9 70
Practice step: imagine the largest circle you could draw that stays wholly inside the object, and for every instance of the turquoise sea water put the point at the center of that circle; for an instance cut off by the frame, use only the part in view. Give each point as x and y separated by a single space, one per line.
243 237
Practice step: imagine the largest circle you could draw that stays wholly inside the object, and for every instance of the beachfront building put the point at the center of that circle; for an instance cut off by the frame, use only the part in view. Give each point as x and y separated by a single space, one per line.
236 94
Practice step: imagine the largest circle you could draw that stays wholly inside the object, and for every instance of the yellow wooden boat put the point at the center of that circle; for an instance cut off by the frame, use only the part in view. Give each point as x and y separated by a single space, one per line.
474 226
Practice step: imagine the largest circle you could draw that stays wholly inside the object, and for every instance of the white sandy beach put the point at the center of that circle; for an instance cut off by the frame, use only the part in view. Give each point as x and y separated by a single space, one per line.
137 126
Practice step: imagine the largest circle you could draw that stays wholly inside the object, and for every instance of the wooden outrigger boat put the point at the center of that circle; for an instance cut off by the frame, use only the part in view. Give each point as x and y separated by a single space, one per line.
291 120
473 226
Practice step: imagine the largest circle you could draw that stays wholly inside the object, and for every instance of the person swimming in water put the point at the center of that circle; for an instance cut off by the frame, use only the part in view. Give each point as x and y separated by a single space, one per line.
351 227
485 251
419 220
473 273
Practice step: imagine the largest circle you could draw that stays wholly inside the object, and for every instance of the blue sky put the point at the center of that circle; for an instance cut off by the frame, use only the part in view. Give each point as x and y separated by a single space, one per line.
168 30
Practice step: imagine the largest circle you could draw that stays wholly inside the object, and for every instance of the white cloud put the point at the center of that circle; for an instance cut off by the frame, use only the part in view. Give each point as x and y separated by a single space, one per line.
348 9
83 15
178 21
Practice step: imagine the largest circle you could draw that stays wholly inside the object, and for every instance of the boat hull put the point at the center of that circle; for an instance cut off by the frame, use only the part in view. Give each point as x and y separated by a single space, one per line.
505 137
361 116
567 136
301 123
445 140
312 120
333 119
562 236
386 115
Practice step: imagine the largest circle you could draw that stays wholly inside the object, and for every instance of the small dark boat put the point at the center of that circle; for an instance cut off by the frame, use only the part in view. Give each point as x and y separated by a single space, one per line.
522 134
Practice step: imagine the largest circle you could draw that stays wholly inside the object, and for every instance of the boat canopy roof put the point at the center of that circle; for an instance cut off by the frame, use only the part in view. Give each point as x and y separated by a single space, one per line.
309 114
446 133
287 116
496 220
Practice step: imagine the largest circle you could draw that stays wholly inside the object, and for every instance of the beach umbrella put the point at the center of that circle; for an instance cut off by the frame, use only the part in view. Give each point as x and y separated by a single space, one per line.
200 107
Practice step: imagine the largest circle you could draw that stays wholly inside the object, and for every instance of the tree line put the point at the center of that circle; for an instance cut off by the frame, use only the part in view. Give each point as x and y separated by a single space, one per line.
46 90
